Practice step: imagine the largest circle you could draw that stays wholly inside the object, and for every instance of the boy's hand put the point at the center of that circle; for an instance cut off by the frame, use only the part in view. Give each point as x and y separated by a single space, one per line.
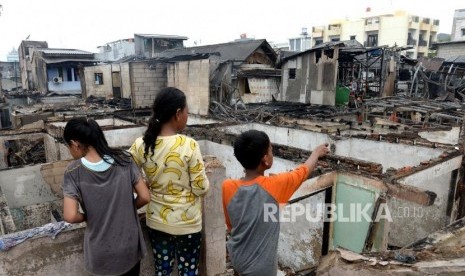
321 150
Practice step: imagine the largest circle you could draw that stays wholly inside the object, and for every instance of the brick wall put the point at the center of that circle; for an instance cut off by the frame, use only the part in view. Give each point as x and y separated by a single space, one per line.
146 82
193 78
53 174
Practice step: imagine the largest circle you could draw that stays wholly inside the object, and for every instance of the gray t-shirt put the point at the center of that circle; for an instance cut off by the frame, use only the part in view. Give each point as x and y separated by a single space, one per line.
113 240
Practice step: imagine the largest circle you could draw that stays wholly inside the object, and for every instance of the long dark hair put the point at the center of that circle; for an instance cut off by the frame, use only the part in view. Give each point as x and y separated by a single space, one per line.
89 133
166 104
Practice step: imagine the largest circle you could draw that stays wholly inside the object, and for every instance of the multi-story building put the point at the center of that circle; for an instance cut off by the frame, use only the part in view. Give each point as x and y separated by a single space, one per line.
458 25
116 50
398 28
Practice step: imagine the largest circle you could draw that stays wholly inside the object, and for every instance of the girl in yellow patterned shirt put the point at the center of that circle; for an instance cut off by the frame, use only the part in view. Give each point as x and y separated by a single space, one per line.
175 169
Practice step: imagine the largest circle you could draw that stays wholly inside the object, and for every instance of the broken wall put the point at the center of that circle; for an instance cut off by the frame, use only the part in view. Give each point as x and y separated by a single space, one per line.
193 78
146 81
4 142
400 155
93 87
118 133
308 80
412 221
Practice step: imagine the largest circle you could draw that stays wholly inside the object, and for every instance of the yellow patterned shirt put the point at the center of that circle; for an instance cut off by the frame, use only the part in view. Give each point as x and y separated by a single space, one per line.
176 174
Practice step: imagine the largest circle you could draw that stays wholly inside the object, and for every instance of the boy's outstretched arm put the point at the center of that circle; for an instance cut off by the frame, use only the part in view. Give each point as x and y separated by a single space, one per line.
318 152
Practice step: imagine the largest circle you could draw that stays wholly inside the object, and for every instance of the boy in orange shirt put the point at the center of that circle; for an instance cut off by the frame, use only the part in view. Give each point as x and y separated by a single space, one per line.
254 239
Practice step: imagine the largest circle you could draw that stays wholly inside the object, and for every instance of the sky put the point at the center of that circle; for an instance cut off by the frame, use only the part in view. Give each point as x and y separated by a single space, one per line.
87 24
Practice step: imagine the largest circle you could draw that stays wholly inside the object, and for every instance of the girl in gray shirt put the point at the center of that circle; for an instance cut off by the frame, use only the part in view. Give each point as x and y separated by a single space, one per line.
102 181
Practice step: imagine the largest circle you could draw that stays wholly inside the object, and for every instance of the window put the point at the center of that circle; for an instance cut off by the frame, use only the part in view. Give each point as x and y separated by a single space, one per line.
98 78
292 73
352 37
372 40
463 32
318 41
335 39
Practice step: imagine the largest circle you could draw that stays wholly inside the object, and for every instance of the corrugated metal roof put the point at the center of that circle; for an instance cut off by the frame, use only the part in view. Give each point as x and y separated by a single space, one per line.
63 60
51 51
345 46
238 50
162 36
456 59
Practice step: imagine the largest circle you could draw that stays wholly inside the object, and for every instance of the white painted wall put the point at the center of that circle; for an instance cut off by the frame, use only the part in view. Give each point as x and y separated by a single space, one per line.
389 155
123 137
197 120
449 137
413 221
297 138
393 31
386 154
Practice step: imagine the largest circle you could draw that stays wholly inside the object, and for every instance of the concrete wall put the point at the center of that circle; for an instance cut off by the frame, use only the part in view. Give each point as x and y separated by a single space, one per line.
213 259
393 30
297 138
25 186
193 78
122 138
197 120
315 81
451 50
389 155
300 242
146 82
457 25
449 137
98 90
125 80
44 256
411 221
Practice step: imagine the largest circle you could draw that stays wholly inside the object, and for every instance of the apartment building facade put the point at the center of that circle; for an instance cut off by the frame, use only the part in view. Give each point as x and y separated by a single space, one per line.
398 28
458 25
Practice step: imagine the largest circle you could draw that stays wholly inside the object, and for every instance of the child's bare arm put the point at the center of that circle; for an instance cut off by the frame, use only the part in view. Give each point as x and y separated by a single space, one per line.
71 212
318 152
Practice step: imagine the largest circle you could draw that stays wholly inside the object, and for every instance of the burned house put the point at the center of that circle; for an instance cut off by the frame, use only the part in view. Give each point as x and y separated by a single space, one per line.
324 74
58 70
221 72
245 70
410 164
25 51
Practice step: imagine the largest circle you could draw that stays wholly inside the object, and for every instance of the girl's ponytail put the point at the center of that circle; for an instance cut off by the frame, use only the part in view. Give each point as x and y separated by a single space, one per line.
89 133
165 106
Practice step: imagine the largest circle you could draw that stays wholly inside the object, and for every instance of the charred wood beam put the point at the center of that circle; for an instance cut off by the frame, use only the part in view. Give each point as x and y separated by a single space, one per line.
411 194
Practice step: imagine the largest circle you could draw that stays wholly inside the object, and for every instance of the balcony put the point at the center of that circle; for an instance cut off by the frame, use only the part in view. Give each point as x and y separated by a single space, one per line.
317 31
422 43
334 31
372 27
317 34
411 42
